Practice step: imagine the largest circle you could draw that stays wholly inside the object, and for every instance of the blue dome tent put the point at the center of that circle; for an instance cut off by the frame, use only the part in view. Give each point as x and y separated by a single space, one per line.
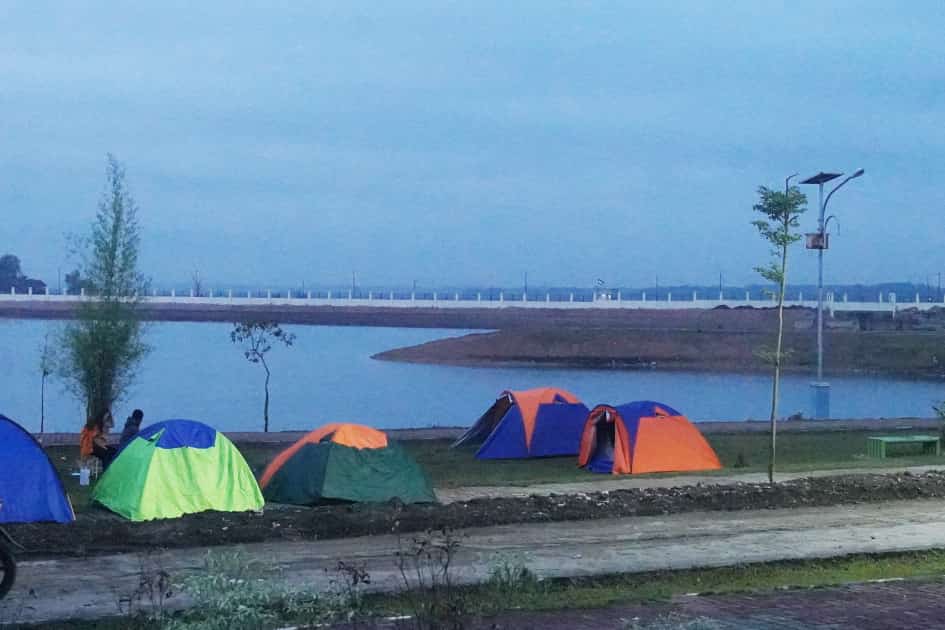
30 488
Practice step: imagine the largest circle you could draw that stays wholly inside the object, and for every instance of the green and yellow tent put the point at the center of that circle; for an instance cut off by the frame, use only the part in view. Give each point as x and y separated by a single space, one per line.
174 468
346 462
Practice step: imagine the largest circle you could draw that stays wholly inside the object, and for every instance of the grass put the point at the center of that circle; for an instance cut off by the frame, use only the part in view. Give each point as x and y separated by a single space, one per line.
529 594
448 468
641 588
796 452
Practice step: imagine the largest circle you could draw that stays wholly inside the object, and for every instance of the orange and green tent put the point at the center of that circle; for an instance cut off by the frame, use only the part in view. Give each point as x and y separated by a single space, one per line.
643 437
542 422
346 462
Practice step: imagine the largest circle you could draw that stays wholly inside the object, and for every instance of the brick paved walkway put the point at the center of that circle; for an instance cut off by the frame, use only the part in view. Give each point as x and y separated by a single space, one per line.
871 606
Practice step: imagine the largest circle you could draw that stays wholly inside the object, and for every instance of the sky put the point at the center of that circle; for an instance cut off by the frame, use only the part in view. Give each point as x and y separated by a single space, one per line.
467 143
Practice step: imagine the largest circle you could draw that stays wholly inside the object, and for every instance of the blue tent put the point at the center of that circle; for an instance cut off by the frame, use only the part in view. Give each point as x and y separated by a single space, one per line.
30 488
544 422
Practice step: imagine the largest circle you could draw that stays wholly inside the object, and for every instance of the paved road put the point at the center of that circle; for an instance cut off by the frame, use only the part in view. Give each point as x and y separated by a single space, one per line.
90 587
607 483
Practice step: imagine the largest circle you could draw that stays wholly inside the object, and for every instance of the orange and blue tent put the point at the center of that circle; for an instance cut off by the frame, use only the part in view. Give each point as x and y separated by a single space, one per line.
540 422
643 437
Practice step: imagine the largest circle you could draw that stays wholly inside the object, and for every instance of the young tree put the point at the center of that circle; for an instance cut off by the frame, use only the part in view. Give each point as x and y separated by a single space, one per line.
103 347
47 363
256 338
779 227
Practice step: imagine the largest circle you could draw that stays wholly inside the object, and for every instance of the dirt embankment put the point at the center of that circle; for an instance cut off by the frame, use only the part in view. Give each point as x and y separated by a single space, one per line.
100 531
915 354
441 317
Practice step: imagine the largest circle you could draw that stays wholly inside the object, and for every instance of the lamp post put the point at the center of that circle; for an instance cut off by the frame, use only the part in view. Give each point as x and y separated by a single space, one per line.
820 241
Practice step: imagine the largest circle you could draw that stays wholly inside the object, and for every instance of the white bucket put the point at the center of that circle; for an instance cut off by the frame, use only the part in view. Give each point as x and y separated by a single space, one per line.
84 474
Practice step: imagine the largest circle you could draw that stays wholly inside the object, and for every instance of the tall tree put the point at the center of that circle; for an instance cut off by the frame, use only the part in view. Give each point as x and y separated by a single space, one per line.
256 339
104 346
10 271
779 228
75 282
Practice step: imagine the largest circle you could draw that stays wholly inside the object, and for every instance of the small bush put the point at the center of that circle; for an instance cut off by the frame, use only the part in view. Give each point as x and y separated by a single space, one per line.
511 585
425 565
234 593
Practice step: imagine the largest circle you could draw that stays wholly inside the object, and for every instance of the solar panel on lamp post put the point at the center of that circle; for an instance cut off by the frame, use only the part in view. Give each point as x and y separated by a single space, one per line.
821 388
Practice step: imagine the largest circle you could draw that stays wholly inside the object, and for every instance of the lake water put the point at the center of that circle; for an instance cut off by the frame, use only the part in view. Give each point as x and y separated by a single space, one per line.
195 372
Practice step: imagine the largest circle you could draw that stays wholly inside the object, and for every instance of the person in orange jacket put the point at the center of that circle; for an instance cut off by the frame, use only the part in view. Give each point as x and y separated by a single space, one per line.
93 441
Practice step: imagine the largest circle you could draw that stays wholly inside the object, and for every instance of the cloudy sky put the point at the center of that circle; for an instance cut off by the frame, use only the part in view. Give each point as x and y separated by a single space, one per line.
470 142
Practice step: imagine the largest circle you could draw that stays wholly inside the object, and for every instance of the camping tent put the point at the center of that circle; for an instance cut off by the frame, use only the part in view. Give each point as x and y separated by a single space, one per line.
643 437
346 462
30 488
174 468
533 423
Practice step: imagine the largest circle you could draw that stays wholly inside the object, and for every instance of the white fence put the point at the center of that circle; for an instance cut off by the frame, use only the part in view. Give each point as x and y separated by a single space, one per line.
887 303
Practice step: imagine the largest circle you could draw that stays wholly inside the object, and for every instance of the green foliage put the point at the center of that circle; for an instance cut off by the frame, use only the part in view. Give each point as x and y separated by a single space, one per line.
75 283
345 602
10 271
147 605
778 227
256 339
232 592
509 574
512 585
104 346
47 365
426 566
781 219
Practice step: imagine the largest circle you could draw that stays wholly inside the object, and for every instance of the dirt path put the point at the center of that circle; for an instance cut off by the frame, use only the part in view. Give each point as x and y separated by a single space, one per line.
90 587
608 484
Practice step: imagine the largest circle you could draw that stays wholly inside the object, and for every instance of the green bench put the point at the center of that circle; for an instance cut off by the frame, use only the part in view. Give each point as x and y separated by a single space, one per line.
876 445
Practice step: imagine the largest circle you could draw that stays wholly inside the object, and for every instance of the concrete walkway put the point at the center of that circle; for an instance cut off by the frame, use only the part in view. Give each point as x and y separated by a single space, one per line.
608 483
91 587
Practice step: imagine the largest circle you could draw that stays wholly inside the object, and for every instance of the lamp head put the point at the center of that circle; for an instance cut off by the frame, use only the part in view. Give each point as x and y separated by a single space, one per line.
858 172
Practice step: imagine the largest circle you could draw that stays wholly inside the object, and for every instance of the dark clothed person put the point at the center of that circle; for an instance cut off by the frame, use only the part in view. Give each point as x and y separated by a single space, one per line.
132 426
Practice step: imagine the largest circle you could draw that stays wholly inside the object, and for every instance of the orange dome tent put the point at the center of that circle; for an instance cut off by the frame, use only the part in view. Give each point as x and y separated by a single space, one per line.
347 462
643 437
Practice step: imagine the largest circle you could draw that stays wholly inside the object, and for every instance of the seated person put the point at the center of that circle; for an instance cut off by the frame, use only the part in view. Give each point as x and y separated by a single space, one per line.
93 441
132 426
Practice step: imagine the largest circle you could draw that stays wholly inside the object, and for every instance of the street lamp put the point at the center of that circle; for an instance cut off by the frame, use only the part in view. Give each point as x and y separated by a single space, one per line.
820 241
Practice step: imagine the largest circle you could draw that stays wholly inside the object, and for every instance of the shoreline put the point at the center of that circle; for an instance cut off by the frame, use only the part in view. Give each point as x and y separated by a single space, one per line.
510 317
911 355
605 365
708 427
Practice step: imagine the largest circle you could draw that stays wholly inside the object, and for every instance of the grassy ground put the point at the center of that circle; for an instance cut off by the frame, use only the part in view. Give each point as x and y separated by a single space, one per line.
512 589
739 452
634 588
